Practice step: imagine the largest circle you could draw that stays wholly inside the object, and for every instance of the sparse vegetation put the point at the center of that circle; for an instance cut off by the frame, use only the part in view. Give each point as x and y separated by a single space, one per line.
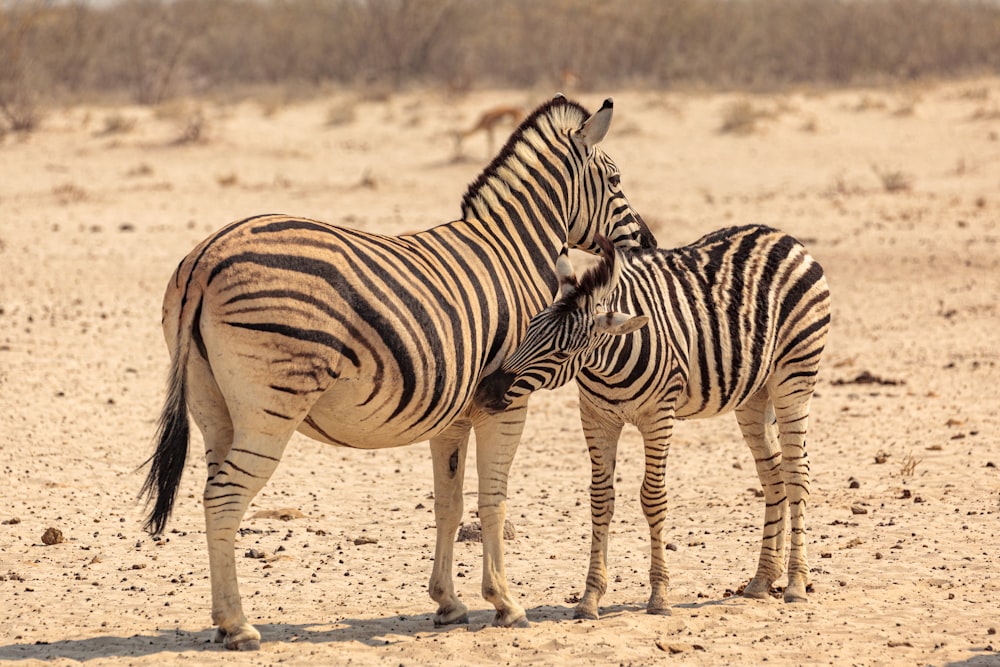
893 180
741 116
908 465
149 51
117 123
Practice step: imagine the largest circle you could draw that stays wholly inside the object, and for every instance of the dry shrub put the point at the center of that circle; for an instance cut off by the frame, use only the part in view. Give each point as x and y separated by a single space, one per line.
152 50
893 180
117 123
69 193
741 116
193 131
342 113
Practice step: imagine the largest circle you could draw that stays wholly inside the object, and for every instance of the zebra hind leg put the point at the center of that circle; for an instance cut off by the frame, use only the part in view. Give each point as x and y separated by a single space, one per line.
240 475
448 453
793 423
756 423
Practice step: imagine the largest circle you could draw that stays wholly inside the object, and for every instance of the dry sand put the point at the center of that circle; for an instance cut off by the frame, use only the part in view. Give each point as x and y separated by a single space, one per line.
94 220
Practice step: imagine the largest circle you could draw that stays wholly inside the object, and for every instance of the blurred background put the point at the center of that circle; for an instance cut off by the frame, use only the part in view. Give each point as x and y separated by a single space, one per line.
149 51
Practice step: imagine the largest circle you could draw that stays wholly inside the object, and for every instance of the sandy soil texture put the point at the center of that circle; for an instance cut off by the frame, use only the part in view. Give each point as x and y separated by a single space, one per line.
895 191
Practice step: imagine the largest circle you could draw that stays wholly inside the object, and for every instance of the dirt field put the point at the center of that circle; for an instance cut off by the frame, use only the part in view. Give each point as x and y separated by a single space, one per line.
895 192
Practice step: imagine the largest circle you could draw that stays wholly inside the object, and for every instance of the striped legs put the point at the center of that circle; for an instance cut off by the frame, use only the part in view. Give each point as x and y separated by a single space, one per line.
653 495
242 473
448 453
497 437
602 443
756 422
793 422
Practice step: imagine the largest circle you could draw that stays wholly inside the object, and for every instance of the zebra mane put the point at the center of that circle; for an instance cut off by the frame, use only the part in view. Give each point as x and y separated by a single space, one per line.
560 113
595 282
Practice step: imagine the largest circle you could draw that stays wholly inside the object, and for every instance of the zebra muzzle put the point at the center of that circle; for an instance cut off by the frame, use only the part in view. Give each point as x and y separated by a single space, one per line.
491 394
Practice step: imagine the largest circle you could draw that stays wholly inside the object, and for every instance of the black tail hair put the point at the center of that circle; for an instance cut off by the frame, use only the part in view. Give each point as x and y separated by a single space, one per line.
166 465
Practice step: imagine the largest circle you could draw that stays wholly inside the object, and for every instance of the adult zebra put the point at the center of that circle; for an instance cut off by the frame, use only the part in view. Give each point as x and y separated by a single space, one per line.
277 324
737 321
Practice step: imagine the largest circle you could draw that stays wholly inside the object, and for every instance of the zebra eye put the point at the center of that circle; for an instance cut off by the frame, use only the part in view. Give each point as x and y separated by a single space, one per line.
615 180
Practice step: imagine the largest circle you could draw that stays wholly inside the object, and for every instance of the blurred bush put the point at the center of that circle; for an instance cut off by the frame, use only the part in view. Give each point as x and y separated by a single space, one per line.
149 50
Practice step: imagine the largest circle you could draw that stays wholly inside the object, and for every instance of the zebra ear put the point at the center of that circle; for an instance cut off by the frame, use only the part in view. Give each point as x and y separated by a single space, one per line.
567 276
595 128
617 324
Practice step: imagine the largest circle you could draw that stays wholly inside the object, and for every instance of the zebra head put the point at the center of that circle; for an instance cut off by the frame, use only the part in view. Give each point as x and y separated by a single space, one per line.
603 207
560 338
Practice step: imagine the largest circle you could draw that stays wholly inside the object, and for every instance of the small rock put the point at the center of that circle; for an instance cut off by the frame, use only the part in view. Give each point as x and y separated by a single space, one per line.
255 553
854 484
13 521
858 509
52 536
365 540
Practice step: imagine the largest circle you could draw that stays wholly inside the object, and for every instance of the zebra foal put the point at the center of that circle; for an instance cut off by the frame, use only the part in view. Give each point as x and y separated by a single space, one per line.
278 324
736 321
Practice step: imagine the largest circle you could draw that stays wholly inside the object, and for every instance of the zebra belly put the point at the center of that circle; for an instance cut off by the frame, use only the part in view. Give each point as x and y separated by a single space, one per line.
337 418
694 404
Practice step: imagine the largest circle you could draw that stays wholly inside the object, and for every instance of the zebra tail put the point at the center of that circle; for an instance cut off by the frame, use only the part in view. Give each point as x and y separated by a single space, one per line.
166 465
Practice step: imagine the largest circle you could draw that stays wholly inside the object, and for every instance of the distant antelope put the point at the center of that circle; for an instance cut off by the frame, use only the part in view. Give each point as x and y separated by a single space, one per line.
278 324
735 321
488 120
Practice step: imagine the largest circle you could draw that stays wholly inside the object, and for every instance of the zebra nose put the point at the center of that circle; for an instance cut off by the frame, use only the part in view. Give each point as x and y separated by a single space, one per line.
490 396
646 238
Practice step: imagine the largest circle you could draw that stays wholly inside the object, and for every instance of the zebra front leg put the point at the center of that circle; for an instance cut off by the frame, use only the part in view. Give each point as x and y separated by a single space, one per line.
497 438
602 444
653 494
793 422
448 453
756 423
246 468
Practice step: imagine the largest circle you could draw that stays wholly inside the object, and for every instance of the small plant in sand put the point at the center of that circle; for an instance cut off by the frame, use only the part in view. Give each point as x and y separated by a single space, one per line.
893 180
193 130
117 123
908 466
19 112
69 193
341 113
227 180
741 117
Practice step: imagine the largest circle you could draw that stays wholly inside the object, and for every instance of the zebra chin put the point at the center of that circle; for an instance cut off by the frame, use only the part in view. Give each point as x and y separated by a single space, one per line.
491 394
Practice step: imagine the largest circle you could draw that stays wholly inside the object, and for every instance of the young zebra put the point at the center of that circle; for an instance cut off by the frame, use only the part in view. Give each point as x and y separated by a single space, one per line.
278 324
737 321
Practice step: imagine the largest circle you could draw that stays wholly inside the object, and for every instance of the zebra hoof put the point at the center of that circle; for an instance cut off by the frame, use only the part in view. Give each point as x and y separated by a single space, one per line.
456 616
586 613
659 611
248 639
795 596
502 621
757 589
795 591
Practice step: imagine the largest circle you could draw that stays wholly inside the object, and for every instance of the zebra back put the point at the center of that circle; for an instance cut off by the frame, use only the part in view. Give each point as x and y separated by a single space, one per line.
727 313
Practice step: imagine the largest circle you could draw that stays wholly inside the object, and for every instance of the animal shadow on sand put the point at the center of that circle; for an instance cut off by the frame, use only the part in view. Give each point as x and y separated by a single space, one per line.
373 632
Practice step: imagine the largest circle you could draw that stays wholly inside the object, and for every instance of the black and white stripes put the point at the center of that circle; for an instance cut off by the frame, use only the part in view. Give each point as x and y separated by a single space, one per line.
735 321
277 324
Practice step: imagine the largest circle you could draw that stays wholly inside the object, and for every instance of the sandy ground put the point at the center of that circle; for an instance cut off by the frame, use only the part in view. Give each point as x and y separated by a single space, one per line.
895 191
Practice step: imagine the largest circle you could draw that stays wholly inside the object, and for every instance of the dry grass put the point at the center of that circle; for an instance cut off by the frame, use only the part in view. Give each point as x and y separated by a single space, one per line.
741 117
893 180
156 50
